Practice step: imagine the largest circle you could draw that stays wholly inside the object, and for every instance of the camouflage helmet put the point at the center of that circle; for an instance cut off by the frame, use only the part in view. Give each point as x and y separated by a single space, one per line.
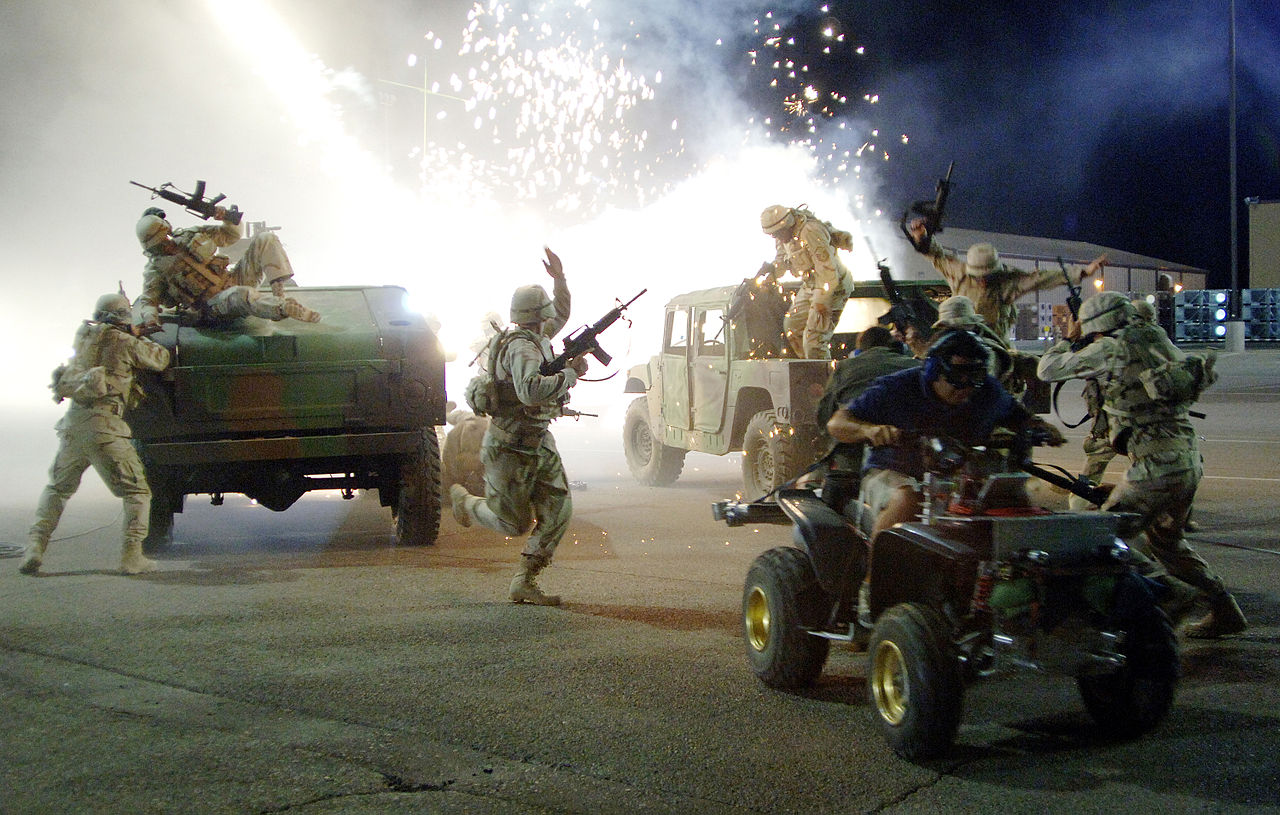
1105 312
776 218
112 308
981 259
1143 310
530 304
152 229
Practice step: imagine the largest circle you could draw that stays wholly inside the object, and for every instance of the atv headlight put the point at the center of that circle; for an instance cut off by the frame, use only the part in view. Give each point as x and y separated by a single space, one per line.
1118 551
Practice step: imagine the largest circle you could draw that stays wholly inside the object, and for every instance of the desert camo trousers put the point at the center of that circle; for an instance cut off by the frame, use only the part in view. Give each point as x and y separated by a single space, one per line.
1164 501
525 488
808 331
116 462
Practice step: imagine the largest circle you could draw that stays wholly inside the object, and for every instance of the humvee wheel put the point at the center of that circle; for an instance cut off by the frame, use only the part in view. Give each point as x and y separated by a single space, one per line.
651 462
1136 698
782 597
160 523
913 681
772 454
417 509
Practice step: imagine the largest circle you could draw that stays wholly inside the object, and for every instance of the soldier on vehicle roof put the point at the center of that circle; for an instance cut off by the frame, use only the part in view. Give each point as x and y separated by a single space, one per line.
806 247
184 269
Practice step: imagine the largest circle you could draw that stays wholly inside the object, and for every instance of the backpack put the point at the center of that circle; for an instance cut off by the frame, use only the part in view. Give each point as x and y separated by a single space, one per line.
481 393
75 380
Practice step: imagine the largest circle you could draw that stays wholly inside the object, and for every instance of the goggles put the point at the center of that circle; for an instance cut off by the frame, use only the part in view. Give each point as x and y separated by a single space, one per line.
965 375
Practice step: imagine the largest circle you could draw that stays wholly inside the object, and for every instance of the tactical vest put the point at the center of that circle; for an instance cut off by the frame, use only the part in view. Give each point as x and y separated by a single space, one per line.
486 394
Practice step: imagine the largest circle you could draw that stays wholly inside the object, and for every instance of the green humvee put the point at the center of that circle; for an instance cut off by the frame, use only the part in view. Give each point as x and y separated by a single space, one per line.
721 384
275 409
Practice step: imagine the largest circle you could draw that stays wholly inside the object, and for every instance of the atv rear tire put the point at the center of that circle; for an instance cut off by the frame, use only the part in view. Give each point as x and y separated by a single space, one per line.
1136 698
780 600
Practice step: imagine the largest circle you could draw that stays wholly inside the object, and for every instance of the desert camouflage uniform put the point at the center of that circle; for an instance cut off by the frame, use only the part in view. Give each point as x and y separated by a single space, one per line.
524 480
96 434
811 256
993 293
264 261
1165 466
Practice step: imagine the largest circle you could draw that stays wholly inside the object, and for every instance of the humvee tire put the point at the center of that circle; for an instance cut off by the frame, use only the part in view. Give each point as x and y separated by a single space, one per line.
417 507
772 454
651 462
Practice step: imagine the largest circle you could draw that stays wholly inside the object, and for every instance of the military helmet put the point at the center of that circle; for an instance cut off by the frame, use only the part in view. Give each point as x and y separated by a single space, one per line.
530 304
112 308
981 259
1143 309
957 311
776 218
152 229
1105 312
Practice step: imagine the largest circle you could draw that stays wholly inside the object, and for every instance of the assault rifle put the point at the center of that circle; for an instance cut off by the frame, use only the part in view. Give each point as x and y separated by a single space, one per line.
583 341
930 211
1073 293
195 203
901 312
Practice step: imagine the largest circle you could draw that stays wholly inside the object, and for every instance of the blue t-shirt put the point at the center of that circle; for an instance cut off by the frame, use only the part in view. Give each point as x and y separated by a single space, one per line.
906 401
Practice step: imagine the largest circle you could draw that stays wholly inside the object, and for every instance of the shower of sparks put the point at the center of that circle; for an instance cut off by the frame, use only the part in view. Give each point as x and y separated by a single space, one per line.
545 115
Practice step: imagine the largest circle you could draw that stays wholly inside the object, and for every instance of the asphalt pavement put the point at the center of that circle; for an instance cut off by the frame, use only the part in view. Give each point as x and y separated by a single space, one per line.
299 662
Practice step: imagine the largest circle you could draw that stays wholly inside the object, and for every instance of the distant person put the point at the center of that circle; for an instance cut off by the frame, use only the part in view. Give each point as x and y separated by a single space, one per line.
993 286
876 354
1148 387
99 381
185 270
524 480
806 247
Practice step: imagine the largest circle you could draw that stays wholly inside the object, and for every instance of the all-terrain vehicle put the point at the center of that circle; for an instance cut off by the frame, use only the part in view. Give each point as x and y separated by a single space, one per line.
276 409
983 582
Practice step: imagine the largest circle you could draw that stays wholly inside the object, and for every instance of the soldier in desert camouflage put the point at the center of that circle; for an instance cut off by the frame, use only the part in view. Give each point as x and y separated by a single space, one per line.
99 380
524 480
993 286
185 269
1147 387
806 247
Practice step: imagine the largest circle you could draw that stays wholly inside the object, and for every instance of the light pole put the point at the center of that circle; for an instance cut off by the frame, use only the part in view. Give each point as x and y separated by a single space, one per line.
1235 324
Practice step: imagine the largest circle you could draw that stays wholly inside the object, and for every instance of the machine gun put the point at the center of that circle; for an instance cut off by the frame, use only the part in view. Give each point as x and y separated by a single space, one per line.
195 203
930 211
583 341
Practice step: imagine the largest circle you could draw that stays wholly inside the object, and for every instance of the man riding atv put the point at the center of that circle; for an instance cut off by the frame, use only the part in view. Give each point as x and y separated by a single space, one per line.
952 395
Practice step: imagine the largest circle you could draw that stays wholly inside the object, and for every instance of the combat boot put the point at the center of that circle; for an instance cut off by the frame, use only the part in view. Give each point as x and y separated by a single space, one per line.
34 558
292 308
132 561
524 586
458 496
1225 618
1179 599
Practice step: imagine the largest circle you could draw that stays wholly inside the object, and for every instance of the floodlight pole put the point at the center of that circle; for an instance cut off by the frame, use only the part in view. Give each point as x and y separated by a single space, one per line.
1235 324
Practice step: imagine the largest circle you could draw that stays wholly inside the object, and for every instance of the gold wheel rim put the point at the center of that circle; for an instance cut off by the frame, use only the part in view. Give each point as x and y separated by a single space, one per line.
757 619
889 685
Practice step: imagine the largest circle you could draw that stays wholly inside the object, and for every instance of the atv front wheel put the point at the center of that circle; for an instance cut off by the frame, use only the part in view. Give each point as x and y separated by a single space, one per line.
913 681
781 598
